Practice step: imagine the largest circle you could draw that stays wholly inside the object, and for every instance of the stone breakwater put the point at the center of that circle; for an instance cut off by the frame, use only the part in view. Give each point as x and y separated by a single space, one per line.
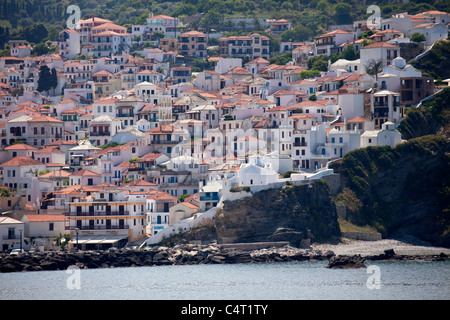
179 255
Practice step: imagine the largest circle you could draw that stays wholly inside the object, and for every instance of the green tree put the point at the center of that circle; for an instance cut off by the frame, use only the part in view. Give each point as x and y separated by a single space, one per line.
62 240
308 74
54 79
53 33
322 5
320 65
40 49
142 19
5 192
183 197
417 37
299 33
47 79
349 53
156 35
185 9
211 19
35 33
343 11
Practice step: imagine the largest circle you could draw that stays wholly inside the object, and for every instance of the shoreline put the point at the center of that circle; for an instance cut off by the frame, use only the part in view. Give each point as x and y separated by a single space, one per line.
371 248
347 254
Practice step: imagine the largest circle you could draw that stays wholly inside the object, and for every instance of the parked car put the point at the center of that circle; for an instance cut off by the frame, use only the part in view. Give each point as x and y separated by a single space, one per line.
15 252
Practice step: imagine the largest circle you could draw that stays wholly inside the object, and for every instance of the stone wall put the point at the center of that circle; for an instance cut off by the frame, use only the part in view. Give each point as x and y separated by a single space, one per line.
365 236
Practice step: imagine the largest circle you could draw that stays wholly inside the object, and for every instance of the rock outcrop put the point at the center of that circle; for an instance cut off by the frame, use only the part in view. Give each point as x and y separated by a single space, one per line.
187 254
293 213
346 262
154 256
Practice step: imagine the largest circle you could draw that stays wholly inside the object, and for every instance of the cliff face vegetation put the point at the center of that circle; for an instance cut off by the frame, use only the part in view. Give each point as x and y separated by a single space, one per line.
404 190
436 63
291 214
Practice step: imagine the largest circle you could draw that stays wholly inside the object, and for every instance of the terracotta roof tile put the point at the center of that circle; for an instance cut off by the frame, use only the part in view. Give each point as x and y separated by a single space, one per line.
21 161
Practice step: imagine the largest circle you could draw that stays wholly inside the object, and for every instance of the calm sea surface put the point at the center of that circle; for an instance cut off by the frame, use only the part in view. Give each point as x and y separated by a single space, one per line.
259 281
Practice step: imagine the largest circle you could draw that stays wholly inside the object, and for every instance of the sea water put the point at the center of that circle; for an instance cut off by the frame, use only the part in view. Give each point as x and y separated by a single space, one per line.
254 281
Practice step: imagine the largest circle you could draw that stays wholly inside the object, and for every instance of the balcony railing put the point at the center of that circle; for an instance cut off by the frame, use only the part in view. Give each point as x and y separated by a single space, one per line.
97 213
117 227
300 144
11 237
95 134
210 198
124 115
165 142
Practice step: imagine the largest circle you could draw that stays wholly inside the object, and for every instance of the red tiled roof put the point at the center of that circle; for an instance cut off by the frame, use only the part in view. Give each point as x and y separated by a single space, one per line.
358 119
21 161
84 172
380 45
45 119
45 217
20 146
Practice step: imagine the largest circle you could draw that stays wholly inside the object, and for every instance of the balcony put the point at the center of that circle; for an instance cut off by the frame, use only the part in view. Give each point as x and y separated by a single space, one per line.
300 144
165 142
96 134
11 237
118 227
212 197
97 213
124 115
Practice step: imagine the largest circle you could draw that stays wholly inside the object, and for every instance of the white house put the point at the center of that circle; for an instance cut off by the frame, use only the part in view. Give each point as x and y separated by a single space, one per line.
339 142
181 211
432 31
43 228
11 234
387 136
69 43
345 65
256 173
378 51
20 174
158 204
385 107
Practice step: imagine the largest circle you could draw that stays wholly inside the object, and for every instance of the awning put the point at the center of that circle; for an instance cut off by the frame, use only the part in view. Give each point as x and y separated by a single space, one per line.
100 239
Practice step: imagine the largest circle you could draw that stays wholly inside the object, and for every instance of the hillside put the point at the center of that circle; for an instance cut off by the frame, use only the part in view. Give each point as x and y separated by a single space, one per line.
312 17
293 214
436 63
405 190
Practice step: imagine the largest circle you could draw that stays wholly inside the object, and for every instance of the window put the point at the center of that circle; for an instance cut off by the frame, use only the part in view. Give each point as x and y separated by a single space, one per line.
51 226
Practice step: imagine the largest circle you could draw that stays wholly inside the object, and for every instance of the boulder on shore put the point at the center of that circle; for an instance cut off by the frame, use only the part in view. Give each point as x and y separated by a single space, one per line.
346 262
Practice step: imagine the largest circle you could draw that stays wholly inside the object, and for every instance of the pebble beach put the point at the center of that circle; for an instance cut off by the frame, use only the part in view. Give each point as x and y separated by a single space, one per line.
349 247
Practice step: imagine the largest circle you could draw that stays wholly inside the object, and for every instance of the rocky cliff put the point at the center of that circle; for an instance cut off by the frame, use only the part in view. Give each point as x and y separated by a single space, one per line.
293 213
402 191
297 214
